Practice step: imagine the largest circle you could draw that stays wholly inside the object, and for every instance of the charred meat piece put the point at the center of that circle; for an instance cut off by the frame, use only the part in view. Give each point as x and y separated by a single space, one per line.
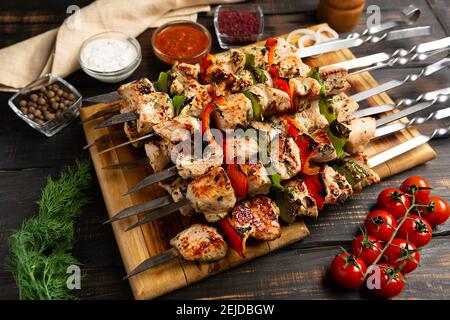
198 97
336 186
243 148
200 243
157 152
285 156
272 100
212 194
233 111
190 165
334 79
362 131
325 149
177 190
131 132
304 90
256 217
297 200
156 110
133 92
292 67
177 129
258 181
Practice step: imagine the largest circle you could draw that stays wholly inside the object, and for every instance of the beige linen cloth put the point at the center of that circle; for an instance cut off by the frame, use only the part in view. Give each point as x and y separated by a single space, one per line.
57 50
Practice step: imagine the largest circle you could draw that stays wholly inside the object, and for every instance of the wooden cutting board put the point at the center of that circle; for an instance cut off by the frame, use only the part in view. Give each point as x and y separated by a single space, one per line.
153 238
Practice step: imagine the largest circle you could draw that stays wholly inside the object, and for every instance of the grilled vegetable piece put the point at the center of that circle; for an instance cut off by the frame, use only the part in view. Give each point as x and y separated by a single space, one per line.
258 181
177 189
369 176
298 201
256 217
177 129
133 92
157 109
336 186
157 152
234 111
362 130
212 194
200 243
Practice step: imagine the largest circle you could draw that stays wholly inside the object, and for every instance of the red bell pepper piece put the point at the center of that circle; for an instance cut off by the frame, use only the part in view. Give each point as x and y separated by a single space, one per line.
308 147
207 60
270 44
206 117
315 189
235 239
292 129
281 83
238 180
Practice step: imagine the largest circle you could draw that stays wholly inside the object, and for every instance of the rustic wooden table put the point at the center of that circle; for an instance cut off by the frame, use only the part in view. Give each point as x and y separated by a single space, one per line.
296 272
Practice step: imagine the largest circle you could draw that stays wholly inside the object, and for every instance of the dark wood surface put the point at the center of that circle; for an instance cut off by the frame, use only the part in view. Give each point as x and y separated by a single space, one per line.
296 272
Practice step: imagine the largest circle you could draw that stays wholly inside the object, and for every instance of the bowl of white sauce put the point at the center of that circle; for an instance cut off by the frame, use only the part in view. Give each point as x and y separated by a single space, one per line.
110 56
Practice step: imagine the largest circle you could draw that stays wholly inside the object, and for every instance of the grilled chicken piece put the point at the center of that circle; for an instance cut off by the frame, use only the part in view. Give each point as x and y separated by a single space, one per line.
292 67
285 156
362 132
256 217
336 186
298 201
233 111
244 148
344 106
198 97
326 151
177 190
200 243
272 100
283 50
236 82
371 176
157 152
259 54
305 90
258 181
334 79
212 194
133 92
131 132
224 66
177 129
157 109
191 166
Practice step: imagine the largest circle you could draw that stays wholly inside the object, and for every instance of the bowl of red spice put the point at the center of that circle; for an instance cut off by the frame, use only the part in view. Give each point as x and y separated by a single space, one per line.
181 41
238 25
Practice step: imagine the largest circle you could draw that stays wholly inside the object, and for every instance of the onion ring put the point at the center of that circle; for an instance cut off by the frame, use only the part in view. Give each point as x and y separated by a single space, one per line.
323 33
301 32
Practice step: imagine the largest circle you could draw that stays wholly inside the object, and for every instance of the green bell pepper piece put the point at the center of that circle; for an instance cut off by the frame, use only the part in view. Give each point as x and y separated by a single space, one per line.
276 181
352 171
314 73
163 82
256 106
178 104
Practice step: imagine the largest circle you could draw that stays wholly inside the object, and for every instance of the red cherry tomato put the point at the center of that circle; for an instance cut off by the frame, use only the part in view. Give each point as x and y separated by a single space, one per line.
380 224
402 253
367 248
436 211
393 201
415 229
348 270
418 186
391 281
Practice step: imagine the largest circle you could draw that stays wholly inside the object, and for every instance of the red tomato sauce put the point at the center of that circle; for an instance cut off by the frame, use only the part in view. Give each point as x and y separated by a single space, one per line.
181 41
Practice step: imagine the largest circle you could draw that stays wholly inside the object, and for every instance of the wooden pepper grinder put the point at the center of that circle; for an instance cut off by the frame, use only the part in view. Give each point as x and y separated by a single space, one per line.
341 15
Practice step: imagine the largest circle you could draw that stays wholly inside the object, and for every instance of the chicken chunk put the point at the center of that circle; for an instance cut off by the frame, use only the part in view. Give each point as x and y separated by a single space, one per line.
362 131
177 190
198 97
131 132
285 156
177 129
325 149
336 186
200 243
233 111
258 181
156 110
243 148
298 201
133 92
334 79
191 166
272 100
158 154
370 176
292 67
256 217
305 90
283 50
212 194
259 56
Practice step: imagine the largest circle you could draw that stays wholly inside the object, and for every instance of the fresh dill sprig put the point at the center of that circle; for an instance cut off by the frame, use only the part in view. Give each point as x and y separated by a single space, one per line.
40 251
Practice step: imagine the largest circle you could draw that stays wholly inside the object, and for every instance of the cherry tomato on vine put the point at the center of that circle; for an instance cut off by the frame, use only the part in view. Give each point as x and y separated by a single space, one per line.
367 248
394 201
402 253
436 211
415 229
348 270
418 186
380 224
391 281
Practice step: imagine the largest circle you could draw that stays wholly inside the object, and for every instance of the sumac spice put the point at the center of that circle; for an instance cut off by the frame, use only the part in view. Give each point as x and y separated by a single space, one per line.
238 26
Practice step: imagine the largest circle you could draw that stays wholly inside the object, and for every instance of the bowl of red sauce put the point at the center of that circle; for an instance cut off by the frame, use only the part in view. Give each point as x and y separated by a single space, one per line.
181 41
